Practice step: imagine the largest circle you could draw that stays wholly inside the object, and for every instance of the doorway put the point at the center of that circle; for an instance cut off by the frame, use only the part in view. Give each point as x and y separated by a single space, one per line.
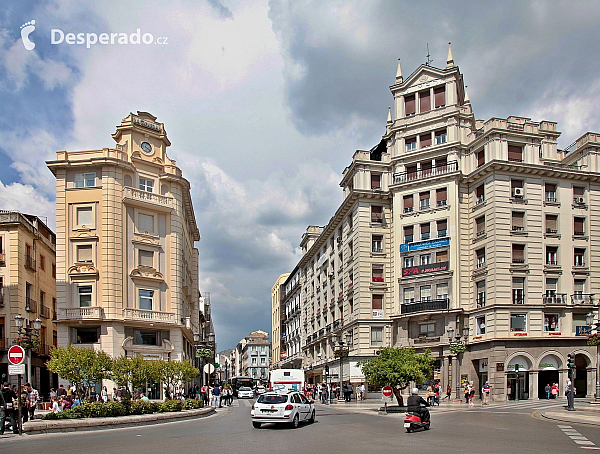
518 388
580 381
546 377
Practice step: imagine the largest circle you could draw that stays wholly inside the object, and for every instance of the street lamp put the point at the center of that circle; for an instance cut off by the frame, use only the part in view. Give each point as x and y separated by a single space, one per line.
29 333
342 352
457 346
589 319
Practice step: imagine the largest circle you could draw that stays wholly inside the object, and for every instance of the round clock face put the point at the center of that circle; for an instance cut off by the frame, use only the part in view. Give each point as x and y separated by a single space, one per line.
146 147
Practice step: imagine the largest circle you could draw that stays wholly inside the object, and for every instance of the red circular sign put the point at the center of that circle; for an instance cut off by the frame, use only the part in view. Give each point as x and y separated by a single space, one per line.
387 391
16 355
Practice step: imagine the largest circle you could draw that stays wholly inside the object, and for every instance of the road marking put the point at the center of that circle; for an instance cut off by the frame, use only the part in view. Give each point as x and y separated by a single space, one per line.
575 436
565 427
590 447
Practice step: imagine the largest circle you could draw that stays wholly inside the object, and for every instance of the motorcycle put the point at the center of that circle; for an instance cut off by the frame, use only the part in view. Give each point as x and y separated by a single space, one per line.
412 422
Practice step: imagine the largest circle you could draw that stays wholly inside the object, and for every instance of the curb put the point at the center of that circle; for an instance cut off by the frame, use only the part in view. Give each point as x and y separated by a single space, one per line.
72 425
571 421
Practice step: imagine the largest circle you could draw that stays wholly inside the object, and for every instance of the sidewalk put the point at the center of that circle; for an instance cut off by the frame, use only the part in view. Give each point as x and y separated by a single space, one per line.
585 413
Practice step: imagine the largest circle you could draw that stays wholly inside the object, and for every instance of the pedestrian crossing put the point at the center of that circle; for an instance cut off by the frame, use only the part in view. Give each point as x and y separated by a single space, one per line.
575 436
244 403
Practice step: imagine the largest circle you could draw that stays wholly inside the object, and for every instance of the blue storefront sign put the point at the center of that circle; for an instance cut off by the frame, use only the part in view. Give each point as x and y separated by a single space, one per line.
410 247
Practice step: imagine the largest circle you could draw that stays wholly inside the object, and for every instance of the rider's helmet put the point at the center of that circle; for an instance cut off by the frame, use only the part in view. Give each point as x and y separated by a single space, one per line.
415 390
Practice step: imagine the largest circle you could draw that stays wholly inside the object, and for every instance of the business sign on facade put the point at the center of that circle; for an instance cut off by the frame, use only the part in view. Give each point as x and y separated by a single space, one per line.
410 247
425 269
283 355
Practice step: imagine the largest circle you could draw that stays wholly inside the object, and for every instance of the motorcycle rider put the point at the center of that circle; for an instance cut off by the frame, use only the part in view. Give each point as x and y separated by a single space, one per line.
414 405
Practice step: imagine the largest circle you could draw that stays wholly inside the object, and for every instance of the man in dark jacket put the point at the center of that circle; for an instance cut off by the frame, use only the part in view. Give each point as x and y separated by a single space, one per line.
8 409
414 403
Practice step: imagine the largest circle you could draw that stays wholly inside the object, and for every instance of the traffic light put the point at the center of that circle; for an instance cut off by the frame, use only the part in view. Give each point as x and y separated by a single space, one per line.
326 369
517 370
571 361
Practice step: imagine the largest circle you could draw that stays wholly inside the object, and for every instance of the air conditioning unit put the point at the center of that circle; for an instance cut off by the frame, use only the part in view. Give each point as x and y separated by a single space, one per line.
579 200
518 192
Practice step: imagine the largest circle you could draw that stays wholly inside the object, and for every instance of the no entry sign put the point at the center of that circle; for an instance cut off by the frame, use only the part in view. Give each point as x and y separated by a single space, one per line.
387 391
16 355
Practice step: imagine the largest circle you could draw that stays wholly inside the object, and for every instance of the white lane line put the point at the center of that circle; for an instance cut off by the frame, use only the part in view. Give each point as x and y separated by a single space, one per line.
577 437
590 447
564 427
584 442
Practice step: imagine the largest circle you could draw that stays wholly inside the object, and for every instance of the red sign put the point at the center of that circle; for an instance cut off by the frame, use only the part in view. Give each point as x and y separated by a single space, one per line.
425 269
16 355
387 391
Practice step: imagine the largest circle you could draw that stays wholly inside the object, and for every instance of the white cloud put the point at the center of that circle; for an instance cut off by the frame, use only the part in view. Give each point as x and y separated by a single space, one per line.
26 199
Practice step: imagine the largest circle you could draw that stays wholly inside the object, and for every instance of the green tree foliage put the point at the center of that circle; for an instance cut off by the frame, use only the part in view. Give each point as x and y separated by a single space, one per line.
171 373
135 371
397 367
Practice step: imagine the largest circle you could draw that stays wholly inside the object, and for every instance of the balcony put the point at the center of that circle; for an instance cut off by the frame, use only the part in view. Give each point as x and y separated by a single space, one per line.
148 316
149 198
481 301
45 311
421 306
80 313
30 305
30 263
440 169
582 298
557 298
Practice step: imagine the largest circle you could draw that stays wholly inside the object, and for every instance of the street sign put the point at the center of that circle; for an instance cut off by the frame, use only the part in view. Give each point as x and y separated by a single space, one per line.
209 368
16 354
18 369
387 391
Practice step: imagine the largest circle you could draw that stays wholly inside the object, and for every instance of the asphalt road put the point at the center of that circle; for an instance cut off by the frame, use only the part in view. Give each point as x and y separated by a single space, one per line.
503 429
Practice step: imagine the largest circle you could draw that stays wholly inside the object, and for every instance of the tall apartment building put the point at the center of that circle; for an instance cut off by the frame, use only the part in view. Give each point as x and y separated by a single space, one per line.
277 319
291 323
455 227
28 288
252 356
126 263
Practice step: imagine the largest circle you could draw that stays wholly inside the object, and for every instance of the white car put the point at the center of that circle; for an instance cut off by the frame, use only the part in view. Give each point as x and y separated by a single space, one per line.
259 390
245 392
291 408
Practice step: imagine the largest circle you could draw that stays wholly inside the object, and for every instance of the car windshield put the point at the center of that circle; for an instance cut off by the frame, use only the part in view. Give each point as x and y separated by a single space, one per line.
272 399
244 388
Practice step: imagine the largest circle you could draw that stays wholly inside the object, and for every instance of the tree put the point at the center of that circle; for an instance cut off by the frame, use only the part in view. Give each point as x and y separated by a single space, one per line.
171 373
81 366
135 371
397 367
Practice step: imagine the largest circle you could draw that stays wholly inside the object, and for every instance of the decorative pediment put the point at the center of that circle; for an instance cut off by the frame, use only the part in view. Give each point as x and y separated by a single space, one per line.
158 160
146 240
146 273
82 269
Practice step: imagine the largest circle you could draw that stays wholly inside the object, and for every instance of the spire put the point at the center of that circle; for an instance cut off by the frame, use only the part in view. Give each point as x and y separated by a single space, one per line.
389 119
449 60
399 72
467 100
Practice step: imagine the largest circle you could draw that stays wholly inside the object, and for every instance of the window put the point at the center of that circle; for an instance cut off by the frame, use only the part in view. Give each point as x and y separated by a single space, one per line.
425 231
86 335
409 295
377 214
518 253
145 337
441 197
411 144
408 203
350 248
442 291
377 273
408 234
425 259
409 262
84 293
42 262
516 188
85 180
377 243
377 302
441 256
146 258
442 229
518 221
439 94
350 279
579 257
480 226
427 330
552 255
578 290
42 299
551 323
349 222
424 200
375 181
440 137
424 101
145 223
551 289
480 288
480 325
515 153
84 253
409 105
377 335
578 226
518 322
146 299
425 140
54 270
84 216
479 194
552 223
578 192
550 192
480 258
146 185
480 158
411 172
518 290
425 293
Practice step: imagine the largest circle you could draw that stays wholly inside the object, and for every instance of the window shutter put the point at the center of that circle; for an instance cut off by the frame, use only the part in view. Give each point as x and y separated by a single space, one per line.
425 140
442 225
517 220
578 226
441 256
84 253
425 228
408 231
377 301
440 96
441 194
408 201
424 195
375 181
516 184
424 102
578 191
409 105
551 224
518 253
480 158
515 153
480 225
550 187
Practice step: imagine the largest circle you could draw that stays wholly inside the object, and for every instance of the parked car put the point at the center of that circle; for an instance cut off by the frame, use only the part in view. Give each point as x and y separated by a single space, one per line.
291 408
245 392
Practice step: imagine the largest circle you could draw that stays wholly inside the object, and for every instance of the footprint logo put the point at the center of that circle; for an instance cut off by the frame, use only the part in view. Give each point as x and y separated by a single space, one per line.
26 30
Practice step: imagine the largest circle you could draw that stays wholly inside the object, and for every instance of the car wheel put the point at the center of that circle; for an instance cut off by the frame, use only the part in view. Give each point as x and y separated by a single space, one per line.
426 426
408 430
312 417
256 425
295 421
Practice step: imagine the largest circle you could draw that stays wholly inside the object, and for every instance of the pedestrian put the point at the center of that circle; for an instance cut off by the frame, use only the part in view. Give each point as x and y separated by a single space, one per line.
485 392
216 396
361 391
466 391
569 392
56 408
104 394
323 394
471 393
429 396
554 390
8 409
52 393
548 390
448 392
436 391
34 398
24 404
349 390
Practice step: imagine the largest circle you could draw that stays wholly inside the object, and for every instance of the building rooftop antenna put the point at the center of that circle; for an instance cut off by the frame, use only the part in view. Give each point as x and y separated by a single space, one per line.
429 60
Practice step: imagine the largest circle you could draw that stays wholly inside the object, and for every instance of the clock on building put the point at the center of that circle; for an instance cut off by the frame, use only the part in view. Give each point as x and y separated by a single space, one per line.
146 147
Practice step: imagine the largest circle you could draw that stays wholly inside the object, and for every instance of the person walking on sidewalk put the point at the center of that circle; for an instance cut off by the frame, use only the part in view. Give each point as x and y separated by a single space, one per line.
554 390
34 398
216 396
548 390
448 392
569 392
8 409
485 392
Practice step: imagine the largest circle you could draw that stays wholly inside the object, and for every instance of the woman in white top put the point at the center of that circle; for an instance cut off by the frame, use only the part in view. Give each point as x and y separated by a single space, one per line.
55 407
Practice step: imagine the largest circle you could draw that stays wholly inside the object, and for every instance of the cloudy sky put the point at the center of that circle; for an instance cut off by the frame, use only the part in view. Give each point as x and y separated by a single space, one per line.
266 101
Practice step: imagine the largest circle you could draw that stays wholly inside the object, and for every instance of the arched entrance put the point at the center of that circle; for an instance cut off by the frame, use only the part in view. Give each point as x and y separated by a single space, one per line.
517 384
548 374
580 381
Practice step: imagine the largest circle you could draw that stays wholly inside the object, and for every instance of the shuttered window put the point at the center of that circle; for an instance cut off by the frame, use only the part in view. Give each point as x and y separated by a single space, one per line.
375 181
479 191
480 158
377 275
578 226
439 94
441 196
518 220
376 214
409 105
441 256
84 253
425 231
408 203
425 140
551 223
377 301
518 253
442 228
146 259
480 225
515 153
424 101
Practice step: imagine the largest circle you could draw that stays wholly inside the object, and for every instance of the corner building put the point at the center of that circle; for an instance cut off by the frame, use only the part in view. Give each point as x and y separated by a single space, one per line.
457 229
127 268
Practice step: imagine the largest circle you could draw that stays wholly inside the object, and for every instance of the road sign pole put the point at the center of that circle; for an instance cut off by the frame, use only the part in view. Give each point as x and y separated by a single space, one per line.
20 423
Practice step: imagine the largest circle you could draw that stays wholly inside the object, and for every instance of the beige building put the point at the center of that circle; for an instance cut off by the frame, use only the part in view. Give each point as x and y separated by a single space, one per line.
28 288
276 318
127 266
252 356
459 231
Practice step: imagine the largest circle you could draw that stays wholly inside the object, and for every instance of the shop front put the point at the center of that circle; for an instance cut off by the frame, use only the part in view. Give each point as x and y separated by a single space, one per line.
548 374
518 376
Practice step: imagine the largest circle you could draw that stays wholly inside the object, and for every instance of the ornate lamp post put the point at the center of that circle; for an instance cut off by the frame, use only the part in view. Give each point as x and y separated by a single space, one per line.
458 345
28 335
342 352
594 339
